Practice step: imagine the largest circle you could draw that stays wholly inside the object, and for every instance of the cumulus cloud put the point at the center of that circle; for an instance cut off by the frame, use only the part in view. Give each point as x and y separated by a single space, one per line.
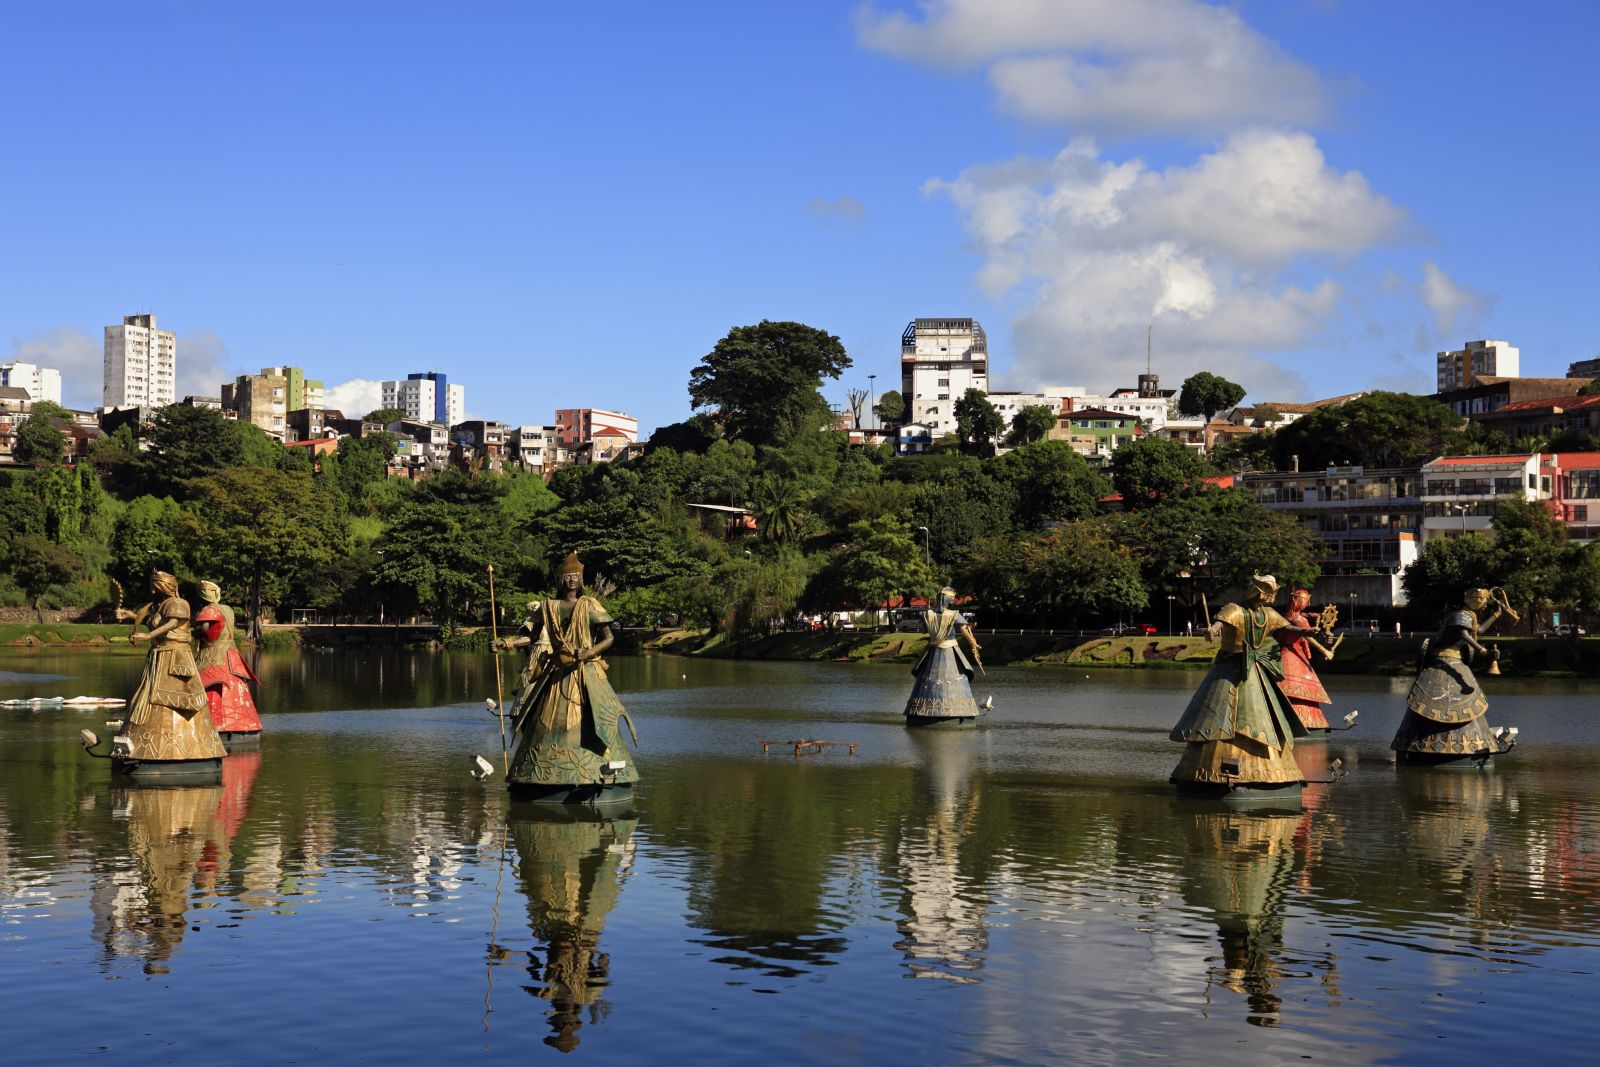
1097 249
1453 305
204 364
79 357
841 210
355 397
1113 66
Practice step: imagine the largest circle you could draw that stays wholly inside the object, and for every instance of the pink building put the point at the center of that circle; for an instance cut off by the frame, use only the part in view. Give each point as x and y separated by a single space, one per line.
576 426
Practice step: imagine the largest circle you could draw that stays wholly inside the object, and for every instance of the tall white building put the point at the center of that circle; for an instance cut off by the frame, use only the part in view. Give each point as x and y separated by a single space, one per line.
940 359
426 397
1458 369
42 383
141 364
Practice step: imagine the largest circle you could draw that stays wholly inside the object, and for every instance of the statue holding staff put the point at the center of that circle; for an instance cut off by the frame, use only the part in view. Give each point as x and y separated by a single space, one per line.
569 746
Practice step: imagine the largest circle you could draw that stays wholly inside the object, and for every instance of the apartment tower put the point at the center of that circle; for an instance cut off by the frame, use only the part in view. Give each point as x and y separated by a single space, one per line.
141 368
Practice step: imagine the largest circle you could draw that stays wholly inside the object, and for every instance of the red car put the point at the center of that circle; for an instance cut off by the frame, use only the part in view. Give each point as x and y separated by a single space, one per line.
1142 628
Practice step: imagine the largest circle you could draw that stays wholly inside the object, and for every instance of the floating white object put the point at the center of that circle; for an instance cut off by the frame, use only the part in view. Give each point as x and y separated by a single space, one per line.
489 702
988 702
481 768
1350 719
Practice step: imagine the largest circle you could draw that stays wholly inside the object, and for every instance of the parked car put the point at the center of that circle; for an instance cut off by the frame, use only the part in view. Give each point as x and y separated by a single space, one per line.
1118 629
1143 628
1566 629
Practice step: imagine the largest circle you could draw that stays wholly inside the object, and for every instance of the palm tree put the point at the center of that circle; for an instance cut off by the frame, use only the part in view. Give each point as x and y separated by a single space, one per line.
778 510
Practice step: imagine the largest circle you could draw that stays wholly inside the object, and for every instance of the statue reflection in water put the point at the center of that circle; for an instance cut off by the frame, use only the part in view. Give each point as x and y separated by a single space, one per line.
572 861
943 931
180 839
1241 868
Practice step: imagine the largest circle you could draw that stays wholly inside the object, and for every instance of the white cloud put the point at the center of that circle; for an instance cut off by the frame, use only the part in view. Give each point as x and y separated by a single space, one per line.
79 357
1452 304
845 210
1117 66
355 397
203 364
1098 249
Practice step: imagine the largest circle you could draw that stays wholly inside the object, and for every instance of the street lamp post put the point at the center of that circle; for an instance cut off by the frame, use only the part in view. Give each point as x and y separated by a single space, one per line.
1170 599
872 389
1352 612
927 545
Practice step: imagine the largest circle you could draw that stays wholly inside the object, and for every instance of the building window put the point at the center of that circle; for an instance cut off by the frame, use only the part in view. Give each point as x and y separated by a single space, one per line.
1580 513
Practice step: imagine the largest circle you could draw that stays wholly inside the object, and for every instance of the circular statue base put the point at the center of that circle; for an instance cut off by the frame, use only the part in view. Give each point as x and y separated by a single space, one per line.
1284 796
240 740
941 722
585 793
172 771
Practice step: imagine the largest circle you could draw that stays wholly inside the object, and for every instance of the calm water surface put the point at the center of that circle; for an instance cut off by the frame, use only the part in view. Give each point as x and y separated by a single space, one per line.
1030 892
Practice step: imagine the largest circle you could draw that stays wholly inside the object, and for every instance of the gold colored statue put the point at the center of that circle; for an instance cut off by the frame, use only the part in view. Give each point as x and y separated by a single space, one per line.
1239 726
168 732
1444 721
567 719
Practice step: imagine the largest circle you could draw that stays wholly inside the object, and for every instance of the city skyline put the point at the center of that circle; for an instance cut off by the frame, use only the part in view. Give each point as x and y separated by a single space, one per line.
1309 198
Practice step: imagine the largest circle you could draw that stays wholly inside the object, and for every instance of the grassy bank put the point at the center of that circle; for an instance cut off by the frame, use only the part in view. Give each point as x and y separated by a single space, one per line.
1520 656
67 635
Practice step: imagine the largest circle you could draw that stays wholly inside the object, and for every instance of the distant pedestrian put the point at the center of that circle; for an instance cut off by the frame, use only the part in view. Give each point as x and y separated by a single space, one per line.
1188 628
1397 627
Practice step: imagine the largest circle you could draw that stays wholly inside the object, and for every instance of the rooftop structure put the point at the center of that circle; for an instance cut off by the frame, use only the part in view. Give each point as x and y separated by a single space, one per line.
1491 393
426 397
1459 493
577 426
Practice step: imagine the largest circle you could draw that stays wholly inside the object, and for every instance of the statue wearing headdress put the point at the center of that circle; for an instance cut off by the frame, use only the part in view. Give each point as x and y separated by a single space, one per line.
1300 682
1239 727
1445 709
224 673
943 693
169 718
568 719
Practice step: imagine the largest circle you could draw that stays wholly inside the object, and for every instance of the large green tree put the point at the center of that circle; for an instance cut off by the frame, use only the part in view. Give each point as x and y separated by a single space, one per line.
978 424
1150 469
1059 577
1204 393
39 565
39 440
260 532
880 559
1213 541
890 408
1380 430
1052 483
762 381
1031 424
439 543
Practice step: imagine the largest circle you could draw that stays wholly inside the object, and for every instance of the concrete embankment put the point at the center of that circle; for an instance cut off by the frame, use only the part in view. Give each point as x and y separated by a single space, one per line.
1520 656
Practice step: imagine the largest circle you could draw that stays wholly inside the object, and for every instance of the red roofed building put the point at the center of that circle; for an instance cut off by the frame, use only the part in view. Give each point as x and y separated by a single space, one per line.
1545 416
1459 493
1575 480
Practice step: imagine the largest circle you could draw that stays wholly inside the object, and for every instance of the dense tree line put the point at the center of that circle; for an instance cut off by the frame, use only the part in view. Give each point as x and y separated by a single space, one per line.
1030 535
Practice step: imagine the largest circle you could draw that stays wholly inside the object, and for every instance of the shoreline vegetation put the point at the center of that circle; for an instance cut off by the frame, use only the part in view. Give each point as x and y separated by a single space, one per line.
1526 657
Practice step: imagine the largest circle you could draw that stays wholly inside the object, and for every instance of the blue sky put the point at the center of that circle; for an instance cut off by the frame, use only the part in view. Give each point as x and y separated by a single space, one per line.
567 205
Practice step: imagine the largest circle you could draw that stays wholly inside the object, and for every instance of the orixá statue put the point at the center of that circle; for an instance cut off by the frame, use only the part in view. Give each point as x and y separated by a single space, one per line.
1300 682
1239 727
1444 721
168 733
567 722
943 693
225 674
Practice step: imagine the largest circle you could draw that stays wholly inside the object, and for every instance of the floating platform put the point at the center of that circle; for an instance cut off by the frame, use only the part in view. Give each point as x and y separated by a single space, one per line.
587 793
1281 796
240 740
1452 761
169 772
942 722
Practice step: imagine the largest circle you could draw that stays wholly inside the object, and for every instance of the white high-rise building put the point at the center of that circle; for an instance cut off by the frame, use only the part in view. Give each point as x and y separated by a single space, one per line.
1495 359
426 397
940 359
42 383
141 364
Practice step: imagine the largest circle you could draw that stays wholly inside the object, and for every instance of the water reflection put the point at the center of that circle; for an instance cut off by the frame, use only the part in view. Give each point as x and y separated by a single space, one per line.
943 930
1240 869
571 866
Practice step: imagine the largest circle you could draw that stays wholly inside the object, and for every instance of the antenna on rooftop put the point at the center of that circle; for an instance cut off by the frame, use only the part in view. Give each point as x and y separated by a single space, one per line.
1148 331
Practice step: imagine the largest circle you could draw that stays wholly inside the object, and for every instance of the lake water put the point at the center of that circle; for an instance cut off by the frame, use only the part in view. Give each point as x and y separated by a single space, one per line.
1029 892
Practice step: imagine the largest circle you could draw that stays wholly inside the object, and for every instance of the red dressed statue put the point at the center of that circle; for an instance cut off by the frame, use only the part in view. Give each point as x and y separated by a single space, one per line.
1300 682
225 674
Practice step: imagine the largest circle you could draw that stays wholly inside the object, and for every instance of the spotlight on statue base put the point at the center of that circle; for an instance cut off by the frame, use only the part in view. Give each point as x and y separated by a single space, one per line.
481 768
